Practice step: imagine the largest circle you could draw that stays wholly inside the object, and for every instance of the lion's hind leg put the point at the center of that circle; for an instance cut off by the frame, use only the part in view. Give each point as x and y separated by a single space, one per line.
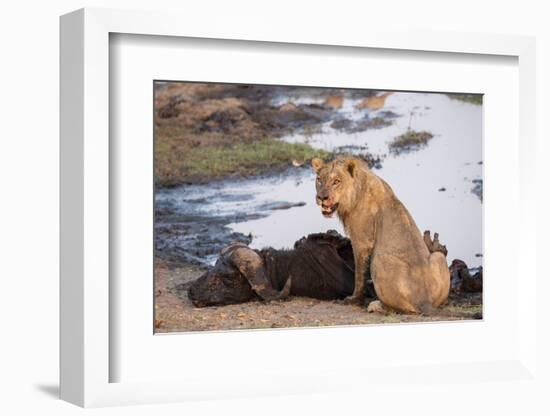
441 278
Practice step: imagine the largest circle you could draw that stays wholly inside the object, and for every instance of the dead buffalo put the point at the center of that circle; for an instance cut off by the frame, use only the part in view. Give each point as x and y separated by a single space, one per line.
320 266
462 280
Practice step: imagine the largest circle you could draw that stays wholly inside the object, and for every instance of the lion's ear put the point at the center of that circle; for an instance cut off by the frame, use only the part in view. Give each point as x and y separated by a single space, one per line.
316 164
351 166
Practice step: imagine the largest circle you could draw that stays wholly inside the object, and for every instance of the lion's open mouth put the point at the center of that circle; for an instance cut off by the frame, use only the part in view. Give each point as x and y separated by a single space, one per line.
327 210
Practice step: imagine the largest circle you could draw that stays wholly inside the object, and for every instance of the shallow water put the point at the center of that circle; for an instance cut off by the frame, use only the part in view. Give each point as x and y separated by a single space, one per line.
451 160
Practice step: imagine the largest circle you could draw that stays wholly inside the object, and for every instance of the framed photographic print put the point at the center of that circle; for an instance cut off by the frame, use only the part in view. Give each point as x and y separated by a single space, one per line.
228 199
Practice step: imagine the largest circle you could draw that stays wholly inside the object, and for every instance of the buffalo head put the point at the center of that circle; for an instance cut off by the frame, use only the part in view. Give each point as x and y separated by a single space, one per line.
238 276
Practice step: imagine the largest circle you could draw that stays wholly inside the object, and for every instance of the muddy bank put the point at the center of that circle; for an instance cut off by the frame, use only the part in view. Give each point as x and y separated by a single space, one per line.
366 122
199 127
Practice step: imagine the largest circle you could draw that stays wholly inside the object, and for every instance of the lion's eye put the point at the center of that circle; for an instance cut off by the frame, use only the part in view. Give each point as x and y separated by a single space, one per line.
318 179
336 182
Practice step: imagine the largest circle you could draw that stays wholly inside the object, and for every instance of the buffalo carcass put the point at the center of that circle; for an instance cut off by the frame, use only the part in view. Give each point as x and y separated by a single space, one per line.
320 266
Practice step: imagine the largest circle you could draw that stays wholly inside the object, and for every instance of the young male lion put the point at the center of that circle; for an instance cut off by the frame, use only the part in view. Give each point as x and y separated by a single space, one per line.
407 277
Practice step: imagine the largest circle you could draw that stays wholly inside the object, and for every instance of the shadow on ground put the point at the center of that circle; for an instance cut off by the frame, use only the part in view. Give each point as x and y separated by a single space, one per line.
51 390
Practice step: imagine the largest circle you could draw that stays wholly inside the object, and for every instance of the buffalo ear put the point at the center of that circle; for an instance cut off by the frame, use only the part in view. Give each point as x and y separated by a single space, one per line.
351 166
317 164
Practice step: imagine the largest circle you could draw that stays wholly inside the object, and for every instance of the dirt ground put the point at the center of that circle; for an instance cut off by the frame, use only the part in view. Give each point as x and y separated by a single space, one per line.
174 312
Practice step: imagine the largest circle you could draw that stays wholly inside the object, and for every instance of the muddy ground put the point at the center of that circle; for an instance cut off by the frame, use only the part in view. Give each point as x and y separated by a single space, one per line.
174 312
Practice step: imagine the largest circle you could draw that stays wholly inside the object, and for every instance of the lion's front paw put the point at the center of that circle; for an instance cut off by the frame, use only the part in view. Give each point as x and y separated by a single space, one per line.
376 307
353 300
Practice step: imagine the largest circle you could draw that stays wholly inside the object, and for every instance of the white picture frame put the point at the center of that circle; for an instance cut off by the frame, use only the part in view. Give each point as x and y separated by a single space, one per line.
86 356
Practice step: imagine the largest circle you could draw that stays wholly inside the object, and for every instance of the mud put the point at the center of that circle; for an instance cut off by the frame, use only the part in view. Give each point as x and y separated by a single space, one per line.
243 111
357 126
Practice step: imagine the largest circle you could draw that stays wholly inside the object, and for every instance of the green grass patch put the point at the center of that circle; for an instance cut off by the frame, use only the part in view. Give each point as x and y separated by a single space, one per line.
409 141
476 99
205 163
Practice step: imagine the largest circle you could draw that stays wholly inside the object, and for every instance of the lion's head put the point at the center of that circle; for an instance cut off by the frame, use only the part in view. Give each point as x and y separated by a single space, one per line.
335 184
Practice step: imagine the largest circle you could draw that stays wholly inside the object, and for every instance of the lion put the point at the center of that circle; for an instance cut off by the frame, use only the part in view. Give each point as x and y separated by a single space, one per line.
408 277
